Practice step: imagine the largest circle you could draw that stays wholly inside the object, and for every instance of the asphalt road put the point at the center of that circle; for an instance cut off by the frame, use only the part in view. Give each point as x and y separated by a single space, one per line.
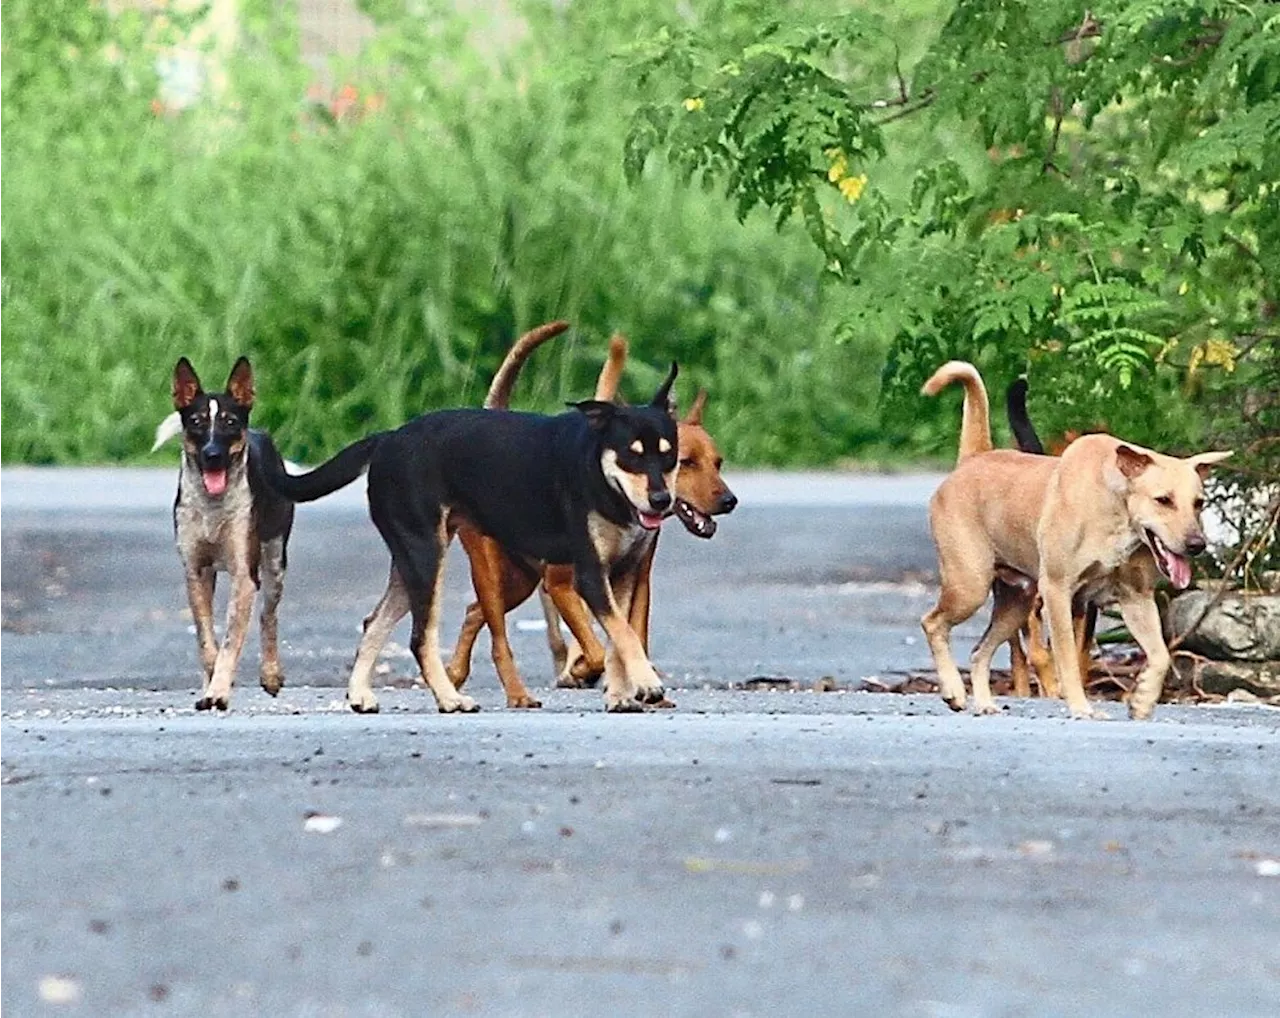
749 853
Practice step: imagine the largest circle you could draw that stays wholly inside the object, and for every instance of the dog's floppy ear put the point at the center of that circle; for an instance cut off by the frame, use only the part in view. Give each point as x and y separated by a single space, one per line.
598 412
694 416
240 383
186 384
1131 461
662 398
1203 462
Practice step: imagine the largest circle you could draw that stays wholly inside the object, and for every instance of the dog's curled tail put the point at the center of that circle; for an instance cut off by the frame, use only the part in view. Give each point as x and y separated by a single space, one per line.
1015 405
504 380
325 479
975 427
611 372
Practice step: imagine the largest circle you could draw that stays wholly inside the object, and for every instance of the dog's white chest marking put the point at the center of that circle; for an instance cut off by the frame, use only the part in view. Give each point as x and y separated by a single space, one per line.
614 543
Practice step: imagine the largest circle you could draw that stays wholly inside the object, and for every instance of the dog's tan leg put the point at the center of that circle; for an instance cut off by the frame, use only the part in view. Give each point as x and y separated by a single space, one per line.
957 603
635 681
1085 623
585 659
1007 617
1141 615
641 598
555 639
378 625
1062 641
1041 656
459 666
200 583
448 699
1018 666
239 612
486 575
270 674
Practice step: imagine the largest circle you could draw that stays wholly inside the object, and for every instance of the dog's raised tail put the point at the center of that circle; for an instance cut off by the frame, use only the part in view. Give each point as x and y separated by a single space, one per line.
504 379
325 479
611 372
1015 405
975 428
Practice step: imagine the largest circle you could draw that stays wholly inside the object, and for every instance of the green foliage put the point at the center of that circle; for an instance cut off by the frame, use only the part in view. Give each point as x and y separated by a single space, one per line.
1092 194
375 242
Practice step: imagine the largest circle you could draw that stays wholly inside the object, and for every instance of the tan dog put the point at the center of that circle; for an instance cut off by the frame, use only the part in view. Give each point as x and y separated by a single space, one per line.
1101 522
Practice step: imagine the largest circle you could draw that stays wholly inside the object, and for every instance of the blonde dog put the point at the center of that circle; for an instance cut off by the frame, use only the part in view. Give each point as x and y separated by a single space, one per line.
1100 523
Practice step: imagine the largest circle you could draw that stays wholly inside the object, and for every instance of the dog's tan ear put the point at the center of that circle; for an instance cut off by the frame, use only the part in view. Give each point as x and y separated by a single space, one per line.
1131 461
694 416
240 383
1203 462
186 384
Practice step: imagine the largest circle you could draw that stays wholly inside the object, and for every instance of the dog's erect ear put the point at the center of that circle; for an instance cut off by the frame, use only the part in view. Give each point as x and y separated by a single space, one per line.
662 397
186 385
240 383
598 412
1203 462
694 416
1131 461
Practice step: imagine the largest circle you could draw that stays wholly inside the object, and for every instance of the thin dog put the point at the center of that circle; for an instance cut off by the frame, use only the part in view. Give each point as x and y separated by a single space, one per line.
587 488
226 519
1101 522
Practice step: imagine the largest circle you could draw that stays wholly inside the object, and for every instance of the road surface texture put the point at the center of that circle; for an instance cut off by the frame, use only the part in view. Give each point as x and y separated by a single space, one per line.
752 852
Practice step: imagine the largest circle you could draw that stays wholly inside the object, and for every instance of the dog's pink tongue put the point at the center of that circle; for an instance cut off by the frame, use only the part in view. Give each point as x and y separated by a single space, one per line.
650 521
1179 571
215 481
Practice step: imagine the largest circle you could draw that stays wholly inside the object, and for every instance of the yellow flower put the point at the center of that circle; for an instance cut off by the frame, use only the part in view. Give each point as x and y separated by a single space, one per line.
839 164
851 187
693 103
1218 353
1183 287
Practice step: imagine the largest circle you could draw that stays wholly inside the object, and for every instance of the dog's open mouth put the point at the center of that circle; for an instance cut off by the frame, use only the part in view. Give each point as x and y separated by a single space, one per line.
1176 568
215 481
648 520
698 523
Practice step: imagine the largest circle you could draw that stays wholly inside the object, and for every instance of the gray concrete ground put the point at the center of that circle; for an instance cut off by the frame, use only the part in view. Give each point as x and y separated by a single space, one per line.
749 853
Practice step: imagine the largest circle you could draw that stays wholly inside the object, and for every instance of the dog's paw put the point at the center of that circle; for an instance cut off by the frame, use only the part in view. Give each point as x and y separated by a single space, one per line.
271 680
956 703
1141 713
221 702
985 710
363 702
651 696
565 681
623 705
523 702
1088 713
462 705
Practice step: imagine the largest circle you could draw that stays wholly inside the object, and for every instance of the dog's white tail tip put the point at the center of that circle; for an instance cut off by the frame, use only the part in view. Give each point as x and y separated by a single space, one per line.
170 427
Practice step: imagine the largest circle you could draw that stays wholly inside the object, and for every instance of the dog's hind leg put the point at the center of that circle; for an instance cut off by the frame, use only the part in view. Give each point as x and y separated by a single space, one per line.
486 575
1042 656
418 552
1018 666
270 674
958 601
555 638
378 624
1007 617
1142 617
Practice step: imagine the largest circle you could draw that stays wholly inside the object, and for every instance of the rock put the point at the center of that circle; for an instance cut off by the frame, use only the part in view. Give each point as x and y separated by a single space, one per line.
1240 627
1261 678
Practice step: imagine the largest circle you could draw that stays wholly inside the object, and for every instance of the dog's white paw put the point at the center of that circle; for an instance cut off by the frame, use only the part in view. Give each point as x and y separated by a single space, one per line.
462 705
1088 713
271 679
363 701
985 710
1141 712
622 704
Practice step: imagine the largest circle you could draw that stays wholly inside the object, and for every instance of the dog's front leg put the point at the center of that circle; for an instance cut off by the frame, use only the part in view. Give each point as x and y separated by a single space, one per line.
239 613
1062 641
200 598
584 661
378 624
636 676
1141 615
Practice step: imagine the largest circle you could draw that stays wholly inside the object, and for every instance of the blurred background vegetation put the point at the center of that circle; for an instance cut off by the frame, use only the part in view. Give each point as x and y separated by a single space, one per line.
807 204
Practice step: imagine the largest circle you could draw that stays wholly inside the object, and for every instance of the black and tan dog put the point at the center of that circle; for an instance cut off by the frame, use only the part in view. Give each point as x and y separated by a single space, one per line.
227 520
587 488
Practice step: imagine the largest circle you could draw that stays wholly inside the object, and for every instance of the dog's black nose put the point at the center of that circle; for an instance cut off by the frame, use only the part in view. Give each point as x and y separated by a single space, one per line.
726 502
660 501
213 457
1195 544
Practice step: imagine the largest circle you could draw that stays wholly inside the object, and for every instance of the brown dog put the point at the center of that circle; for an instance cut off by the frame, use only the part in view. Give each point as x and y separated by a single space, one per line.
502 584
1103 521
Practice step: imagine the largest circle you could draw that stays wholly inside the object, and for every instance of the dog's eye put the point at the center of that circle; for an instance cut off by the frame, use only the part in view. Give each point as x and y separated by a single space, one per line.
1199 504
231 422
1165 500
687 461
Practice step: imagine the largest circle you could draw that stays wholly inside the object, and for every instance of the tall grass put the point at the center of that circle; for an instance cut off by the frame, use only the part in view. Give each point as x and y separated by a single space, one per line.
378 265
